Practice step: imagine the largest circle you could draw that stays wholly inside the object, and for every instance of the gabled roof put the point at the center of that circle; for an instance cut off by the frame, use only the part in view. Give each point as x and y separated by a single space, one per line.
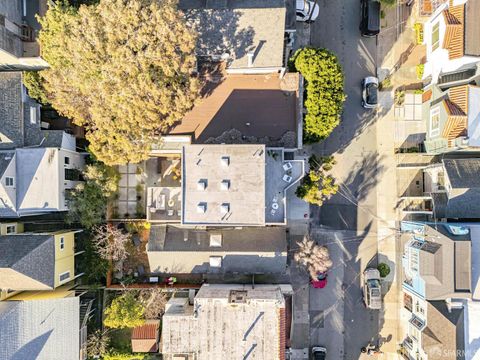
444 333
16 128
5 160
456 106
145 337
454 33
32 255
40 329
463 173
11 111
444 275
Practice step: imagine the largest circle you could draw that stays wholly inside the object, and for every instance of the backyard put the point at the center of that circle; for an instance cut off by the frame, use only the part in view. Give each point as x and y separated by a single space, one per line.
152 185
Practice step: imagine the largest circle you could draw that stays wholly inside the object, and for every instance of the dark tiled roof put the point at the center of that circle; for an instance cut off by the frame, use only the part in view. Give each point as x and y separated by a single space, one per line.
444 333
464 205
463 173
30 254
5 160
15 123
11 119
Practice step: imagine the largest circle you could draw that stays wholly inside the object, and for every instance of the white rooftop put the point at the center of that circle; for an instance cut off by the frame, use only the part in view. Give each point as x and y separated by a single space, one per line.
228 322
233 184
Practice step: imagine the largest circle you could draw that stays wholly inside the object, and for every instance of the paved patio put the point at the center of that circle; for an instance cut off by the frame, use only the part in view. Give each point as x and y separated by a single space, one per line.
127 191
277 180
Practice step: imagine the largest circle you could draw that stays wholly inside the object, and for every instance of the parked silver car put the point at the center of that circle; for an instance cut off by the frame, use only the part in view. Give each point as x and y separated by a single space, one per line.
372 291
307 11
370 92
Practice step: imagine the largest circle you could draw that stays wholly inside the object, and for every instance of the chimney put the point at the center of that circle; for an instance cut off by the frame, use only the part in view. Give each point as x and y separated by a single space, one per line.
250 58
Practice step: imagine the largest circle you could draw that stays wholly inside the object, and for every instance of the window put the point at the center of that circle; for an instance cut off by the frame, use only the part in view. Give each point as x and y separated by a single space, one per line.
62 243
33 115
9 181
435 36
68 196
64 276
419 308
413 260
67 160
72 174
11 229
434 122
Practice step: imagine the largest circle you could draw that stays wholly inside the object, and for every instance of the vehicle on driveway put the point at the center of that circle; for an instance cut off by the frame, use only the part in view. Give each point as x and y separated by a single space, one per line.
319 353
370 92
321 281
307 11
370 23
372 291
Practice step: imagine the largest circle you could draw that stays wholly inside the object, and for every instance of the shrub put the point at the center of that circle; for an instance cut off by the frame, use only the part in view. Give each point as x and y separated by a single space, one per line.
324 91
117 356
420 69
388 3
418 33
88 203
317 186
125 311
385 84
384 269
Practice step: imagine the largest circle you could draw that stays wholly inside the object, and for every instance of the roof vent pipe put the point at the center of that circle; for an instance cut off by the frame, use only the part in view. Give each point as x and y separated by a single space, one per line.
250 58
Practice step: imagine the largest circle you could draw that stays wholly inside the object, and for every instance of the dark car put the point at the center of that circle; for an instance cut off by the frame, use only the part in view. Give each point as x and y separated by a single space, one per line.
370 92
319 353
370 24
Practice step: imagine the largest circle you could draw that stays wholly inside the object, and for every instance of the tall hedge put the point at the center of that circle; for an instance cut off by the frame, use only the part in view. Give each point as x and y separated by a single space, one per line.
324 91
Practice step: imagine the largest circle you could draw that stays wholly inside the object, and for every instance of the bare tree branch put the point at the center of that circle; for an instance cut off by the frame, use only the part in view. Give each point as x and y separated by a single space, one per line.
315 258
154 301
110 242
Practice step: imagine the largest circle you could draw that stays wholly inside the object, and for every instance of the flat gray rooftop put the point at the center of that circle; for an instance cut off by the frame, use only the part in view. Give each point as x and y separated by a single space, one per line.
225 327
252 250
237 28
223 184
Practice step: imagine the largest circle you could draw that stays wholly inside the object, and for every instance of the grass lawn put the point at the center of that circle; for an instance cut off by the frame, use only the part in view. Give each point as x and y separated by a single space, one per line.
121 340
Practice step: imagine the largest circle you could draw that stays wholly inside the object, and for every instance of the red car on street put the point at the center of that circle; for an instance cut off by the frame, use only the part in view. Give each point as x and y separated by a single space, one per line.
320 282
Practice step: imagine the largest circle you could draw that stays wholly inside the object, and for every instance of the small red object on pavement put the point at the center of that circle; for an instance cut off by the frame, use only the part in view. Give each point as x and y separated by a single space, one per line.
320 282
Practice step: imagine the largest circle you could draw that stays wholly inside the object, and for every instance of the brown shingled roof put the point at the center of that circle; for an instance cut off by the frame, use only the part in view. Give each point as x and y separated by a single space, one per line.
456 106
144 338
427 95
454 32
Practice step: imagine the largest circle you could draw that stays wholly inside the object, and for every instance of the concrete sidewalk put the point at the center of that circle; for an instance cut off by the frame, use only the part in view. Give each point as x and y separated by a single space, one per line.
387 248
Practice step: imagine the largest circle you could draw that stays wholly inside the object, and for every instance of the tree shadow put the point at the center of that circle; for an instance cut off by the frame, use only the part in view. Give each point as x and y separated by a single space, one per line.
364 176
219 32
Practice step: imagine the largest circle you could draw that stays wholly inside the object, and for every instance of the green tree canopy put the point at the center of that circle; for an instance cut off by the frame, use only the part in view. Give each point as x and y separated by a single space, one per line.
318 186
121 68
125 311
88 201
324 91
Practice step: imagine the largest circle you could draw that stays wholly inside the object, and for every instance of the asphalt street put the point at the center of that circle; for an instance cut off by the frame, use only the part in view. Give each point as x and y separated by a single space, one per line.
347 222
